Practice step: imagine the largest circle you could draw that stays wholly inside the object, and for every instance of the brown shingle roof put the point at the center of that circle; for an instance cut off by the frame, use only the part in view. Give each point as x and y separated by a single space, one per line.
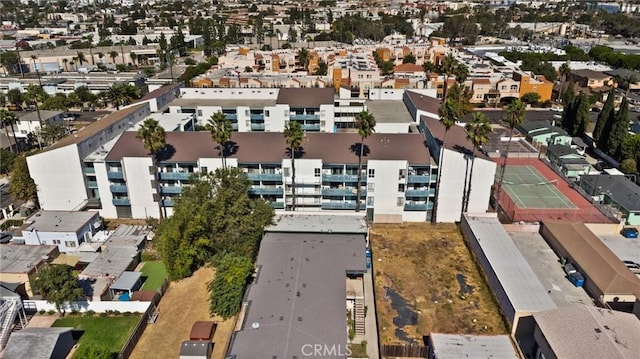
159 91
456 136
481 81
270 147
424 103
305 97
408 68
595 259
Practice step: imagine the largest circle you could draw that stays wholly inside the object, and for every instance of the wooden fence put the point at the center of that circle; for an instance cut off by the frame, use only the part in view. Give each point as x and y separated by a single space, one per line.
404 351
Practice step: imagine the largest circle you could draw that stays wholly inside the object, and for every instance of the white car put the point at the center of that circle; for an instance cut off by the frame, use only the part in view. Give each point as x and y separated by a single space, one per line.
557 109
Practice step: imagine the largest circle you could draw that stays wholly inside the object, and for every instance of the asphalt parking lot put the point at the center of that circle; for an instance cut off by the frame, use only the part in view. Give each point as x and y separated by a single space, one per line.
546 265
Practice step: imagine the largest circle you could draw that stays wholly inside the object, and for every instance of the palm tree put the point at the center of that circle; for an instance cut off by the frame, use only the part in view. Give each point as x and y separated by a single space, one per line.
478 130
8 119
220 128
35 68
154 140
100 55
447 68
133 57
365 123
461 72
448 117
564 71
81 58
294 136
515 116
65 61
113 55
303 58
35 94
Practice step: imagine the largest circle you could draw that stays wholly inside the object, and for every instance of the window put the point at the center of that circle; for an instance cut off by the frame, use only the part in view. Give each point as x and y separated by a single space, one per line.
70 243
266 113
371 187
246 112
204 169
372 172
401 187
316 172
370 201
503 87
400 201
514 87
479 96
56 241
199 113
402 173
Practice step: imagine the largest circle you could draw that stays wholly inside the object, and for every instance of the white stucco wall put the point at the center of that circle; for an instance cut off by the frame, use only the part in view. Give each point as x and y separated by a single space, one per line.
106 197
386 183
138 177
59 178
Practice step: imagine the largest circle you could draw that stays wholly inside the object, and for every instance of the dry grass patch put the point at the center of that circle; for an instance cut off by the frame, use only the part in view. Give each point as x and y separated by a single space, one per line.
420 262
184 303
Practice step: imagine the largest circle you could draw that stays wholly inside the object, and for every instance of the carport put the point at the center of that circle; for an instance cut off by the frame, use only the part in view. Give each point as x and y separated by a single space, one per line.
127 283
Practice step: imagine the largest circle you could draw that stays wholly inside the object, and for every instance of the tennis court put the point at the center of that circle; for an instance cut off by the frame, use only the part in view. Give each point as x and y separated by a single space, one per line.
529 189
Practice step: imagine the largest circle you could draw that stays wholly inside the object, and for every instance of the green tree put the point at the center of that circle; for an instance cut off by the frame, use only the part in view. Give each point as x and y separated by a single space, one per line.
15 97
322 69
448 112
409 59
113 55
605 116
303 58
581 121
220 129
386 67
154 140
6 161
365 123
478 130
619 131
564 71
631 148
515 116
294 136
447 68
8 119
629 166
81 57
461 73
21 185
58 284
227 289
531 98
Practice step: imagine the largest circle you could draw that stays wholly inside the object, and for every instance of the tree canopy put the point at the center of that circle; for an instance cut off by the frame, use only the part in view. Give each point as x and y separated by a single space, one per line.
227 289
58 284
21 185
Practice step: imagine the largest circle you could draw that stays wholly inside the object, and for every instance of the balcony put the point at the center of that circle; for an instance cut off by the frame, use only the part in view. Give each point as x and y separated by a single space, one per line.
234 126
175 176
265 176
277 205
311 127
115 175
268 191
340 178
121 202
304 117
339 205
343 192
89 170
118 188
417 206
231 116
170 189
167 202
417 192
418 179
256 116
92 184
434 178
257 127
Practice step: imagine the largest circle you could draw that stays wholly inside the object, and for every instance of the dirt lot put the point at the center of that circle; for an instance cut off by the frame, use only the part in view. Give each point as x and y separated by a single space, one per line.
184 303
423 265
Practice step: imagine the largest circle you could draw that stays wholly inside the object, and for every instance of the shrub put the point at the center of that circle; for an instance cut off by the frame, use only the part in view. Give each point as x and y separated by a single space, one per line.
147 256
10 223
42 311
103 314
51 312
127 314
75 312
89 313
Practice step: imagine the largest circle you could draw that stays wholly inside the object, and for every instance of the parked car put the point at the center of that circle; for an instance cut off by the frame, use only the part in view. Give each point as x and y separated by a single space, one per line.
88 109
14 107
5 237
630 232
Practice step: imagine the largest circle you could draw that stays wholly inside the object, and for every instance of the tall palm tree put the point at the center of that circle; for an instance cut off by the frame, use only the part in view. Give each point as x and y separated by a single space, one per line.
133 57
220 128
447 68
461 72
564 71
113 55
448 117
35 68
154 140
34 95
303 58
478 130
65 61
81 58
515 117
8 119
365 123
100 56
294 136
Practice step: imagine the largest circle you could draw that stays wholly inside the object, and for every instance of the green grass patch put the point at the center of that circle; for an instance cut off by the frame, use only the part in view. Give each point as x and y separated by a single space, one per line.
107 332
155 272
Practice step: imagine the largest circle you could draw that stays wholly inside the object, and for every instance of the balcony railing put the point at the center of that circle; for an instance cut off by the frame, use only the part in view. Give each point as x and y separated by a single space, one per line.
304 117
341 178
256 116
121 202
418 179
417 206
268 191
171 189
311 127
342 192
183 176
277 205
339 205
115 175
167 202
417 192
265 176
92 184
89 170
231 116
118 188
257 127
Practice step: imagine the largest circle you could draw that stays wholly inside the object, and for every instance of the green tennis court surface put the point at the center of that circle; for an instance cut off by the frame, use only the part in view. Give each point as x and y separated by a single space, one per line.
529 189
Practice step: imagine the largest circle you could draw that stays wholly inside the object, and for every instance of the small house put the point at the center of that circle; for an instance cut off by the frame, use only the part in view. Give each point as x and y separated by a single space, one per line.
190 349
568 161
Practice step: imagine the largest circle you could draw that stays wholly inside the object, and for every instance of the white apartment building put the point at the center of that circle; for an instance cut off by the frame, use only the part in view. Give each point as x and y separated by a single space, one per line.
31 122
64 229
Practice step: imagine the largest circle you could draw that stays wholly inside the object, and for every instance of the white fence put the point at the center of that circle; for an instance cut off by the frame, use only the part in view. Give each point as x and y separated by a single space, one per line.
98 307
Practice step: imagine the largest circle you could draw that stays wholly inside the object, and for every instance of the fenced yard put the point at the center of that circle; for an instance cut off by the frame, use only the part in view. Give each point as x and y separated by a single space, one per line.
156 273
107 331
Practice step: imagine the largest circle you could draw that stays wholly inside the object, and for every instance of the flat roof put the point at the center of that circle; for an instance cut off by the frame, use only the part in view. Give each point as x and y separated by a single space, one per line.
456 346
590 332
299 295
44 114
224 103
306 97
34 343
195 348
619 188
126 281
516 277
389 111
319 223
111 262
18 258
59 221
270 147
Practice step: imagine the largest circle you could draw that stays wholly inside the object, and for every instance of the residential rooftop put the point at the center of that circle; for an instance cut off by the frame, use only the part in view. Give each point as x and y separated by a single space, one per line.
22 258
44 114
112 262
389 111
34 343
306 97
58 221
319 223
224 103
619 188
456 346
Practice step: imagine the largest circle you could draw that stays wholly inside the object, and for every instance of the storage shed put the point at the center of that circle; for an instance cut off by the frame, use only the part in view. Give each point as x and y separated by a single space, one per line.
202 330
196 349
